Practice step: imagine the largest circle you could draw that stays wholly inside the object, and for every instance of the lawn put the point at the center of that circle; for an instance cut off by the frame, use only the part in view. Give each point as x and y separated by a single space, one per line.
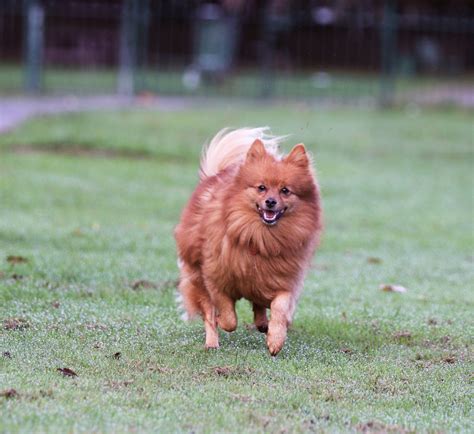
326 85
88 203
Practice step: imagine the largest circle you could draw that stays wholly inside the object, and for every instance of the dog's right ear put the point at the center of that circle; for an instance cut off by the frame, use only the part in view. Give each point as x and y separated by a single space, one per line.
257 151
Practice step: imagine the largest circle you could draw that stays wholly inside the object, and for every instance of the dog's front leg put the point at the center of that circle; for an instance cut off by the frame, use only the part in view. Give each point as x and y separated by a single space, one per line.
210 325
281 310
226 316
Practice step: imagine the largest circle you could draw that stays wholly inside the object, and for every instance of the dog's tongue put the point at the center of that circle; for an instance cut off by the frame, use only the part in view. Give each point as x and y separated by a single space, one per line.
269 215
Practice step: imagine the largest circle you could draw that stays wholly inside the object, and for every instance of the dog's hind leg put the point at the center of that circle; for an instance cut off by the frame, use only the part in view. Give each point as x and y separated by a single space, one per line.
260 317
196 301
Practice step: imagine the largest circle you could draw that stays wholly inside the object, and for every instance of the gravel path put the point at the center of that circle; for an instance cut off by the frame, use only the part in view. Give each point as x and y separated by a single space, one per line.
458 95
14 111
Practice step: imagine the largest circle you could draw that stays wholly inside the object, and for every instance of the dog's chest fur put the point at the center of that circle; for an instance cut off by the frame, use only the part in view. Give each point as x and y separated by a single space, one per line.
242 271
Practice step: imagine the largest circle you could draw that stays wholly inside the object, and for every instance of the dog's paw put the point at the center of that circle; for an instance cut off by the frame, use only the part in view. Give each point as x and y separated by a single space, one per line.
211 346
274 348
262 328
275 344
227 323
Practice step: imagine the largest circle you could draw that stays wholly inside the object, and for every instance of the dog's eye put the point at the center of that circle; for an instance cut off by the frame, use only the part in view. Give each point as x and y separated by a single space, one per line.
261 188
285 191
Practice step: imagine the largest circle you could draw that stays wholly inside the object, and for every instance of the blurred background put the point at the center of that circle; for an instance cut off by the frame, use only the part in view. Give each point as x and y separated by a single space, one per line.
382 94
371 52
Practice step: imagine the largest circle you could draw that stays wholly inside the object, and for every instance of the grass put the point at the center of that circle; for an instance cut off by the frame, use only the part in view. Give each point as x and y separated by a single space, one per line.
90 201
332 85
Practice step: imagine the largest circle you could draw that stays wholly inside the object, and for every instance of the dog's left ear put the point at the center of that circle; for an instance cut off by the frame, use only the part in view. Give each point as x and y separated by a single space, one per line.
298 156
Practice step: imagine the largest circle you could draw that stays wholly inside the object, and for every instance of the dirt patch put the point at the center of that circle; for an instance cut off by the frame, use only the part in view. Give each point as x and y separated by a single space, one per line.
146 284
15 259
450 359
9 393
149 366
67 372
232 371
242 398
95 326
143 284
375 427
429 359
402 335
77 150
225 372
16 276
15 324
31 396
116 385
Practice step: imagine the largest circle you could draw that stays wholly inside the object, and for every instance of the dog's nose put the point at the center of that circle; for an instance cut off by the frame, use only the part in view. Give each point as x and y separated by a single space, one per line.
270 202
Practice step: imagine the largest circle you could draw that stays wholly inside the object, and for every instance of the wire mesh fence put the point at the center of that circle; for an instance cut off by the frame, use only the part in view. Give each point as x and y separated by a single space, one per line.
369 51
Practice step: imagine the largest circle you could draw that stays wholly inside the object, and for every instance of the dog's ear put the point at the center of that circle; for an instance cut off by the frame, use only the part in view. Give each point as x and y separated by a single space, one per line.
298 156
257 151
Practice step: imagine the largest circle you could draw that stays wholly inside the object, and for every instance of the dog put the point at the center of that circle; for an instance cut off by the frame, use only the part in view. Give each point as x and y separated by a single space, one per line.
248 231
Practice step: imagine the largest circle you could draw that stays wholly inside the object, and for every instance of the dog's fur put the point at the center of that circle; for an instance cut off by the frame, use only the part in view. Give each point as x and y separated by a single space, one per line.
233 244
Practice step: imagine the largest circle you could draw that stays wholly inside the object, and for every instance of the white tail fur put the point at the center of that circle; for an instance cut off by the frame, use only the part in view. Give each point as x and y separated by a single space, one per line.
230 147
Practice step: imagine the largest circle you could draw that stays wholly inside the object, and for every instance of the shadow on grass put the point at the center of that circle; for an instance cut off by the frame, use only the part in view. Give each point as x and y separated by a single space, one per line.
326 339
91 150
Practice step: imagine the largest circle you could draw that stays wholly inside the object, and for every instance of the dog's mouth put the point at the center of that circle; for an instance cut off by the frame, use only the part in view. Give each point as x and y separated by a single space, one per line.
270 217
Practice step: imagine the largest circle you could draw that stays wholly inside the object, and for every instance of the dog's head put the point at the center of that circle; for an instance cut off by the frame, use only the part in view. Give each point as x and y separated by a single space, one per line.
273 188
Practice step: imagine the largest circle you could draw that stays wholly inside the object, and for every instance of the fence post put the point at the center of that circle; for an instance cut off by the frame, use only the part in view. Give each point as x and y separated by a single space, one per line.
128 48
33 47
388 47
267 52
143 24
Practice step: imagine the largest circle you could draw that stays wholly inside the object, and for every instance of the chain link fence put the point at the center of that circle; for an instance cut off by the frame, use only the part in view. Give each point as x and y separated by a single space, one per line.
369 52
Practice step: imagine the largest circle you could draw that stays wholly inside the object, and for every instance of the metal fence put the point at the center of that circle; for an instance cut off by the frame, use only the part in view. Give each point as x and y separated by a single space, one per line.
369 51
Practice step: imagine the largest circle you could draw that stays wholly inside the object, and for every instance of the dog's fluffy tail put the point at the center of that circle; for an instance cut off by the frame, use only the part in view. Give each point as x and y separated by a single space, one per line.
230 147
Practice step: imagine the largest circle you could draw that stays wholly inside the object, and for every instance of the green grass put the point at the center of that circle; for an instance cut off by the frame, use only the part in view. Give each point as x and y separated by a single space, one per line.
397 186
337 85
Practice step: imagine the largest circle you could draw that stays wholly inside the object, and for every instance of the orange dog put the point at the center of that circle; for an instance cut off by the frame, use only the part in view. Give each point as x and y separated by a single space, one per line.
248 231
